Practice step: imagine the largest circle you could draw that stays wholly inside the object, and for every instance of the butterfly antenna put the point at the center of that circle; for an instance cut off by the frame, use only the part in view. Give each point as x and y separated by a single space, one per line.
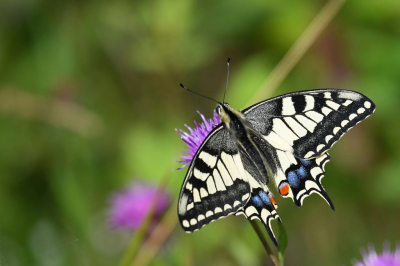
227 78
197 93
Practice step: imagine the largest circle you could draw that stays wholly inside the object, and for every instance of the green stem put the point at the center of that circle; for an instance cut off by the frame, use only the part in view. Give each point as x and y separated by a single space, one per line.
264 242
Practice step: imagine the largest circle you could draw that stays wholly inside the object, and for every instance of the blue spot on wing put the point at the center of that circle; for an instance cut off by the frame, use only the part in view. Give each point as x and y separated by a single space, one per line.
301 172
305 162
257 201
293 179
264 197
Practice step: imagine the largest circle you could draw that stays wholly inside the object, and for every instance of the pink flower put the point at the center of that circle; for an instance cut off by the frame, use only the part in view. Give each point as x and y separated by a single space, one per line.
387 258
130 207
196 136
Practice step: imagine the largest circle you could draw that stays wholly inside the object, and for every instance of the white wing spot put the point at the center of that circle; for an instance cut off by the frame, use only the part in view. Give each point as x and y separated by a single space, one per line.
315 172
309 103
190 206
361 110
309 154
182 206
185 223
282 130
250 211
209 213
307 123
311 184
333 105
193 221
367 105
326 110
320 147
227 207
347 103
336 130
350 95
236 203
245 196
328 138
278 142
200 217
196 195
189 186
218 210
218 181
203 193
317 117
296 127
301 193
352 116
209 159
225 175
200 175
344 123
230 164
327 95
211 185
264 215
288 106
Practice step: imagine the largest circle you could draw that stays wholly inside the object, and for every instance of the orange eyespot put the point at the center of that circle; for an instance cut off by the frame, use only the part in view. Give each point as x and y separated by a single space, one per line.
284 189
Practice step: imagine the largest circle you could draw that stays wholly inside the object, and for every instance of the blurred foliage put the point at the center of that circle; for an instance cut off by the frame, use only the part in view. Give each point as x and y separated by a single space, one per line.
89 100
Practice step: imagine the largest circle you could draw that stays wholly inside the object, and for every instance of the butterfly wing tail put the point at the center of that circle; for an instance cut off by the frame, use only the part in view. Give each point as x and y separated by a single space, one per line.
261 206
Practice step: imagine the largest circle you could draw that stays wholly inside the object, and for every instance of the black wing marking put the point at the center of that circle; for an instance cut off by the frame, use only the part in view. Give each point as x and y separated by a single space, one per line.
308 123
261 205
299 178
215 185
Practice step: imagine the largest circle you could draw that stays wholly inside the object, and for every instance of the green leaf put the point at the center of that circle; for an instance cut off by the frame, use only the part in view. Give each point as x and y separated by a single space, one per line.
283 241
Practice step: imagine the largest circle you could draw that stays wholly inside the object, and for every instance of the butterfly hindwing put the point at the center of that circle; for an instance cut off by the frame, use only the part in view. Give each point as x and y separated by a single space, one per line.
262 204
215 185
299 178
308 123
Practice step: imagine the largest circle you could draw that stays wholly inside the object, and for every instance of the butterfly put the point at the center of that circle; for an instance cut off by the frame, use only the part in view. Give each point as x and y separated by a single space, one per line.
281 141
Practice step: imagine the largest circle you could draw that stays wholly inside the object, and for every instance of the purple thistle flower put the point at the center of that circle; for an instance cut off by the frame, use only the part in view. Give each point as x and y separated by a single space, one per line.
387 258
196 136
130 206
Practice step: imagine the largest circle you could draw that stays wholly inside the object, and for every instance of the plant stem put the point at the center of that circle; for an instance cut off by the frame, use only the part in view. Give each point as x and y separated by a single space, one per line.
157 237
264 242
140 234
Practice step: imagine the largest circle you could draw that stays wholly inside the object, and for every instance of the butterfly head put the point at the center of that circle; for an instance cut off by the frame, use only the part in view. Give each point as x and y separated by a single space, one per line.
226 113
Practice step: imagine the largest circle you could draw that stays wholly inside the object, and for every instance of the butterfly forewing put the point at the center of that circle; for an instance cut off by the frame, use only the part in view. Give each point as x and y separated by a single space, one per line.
215 185
308 123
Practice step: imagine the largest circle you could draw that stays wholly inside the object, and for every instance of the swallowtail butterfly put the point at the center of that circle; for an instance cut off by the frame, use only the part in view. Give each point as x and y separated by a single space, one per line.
283 140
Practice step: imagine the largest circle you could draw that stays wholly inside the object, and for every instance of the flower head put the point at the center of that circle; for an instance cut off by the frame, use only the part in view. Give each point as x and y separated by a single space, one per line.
130 206
387 258
196 136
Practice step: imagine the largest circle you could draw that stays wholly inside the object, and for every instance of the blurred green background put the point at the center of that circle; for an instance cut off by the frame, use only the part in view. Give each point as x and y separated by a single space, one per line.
90 98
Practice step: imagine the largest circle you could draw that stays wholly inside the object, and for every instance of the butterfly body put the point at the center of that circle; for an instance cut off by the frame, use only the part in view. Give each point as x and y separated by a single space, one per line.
250 142
282 142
